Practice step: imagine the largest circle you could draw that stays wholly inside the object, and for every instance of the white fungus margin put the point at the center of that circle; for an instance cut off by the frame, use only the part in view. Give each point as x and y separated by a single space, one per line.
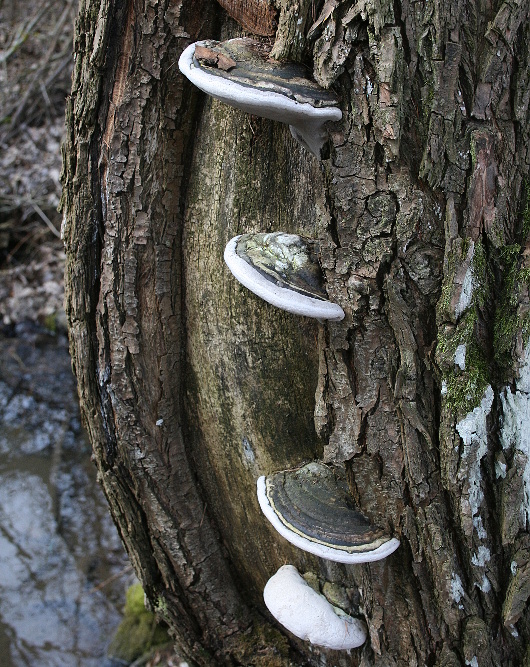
306 121
281 297
308 615
321 550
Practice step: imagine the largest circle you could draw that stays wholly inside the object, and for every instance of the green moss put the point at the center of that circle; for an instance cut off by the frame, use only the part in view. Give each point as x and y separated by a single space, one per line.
139 630
473 151
508 320
444 303
464 389
134 600
505 331
524 276
50 322
481 275
261 646
161 606
526 209
499 279
430 99
453 337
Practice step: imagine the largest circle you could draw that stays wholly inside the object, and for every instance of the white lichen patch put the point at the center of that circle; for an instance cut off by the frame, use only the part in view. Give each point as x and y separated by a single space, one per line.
472 427
466 295
482 556
500 469
460 356
473 431
479 527
515 426
248 451
473 662
457 590
485 585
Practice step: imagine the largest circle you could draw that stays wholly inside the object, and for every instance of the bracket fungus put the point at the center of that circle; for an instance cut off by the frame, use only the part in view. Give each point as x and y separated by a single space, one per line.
308 615
282 269
238 73
313 509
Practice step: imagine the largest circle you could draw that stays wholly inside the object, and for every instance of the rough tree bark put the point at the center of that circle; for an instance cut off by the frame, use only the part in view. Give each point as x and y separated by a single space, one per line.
191 387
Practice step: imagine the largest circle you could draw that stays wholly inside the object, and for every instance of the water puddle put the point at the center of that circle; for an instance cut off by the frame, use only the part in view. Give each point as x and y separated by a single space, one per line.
57 541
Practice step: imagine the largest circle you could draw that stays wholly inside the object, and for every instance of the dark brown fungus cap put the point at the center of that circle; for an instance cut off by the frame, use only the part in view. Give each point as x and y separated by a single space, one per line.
313 509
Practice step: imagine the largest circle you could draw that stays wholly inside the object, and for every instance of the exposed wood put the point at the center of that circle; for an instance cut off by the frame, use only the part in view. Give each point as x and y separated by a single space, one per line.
257 16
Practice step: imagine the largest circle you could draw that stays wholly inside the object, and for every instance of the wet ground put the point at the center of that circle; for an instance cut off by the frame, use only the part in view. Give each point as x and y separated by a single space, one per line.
63 571
58 544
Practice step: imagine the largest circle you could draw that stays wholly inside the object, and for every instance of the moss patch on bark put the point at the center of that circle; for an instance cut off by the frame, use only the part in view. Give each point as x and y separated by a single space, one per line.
139 631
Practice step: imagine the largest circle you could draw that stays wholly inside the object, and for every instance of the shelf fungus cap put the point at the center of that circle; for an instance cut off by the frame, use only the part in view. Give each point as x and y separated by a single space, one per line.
282 269
312 508
238 73
308 615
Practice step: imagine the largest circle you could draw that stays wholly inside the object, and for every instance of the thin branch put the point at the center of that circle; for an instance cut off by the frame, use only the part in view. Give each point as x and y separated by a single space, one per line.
110 579
17 202
65 62
23 32
45 219
55 35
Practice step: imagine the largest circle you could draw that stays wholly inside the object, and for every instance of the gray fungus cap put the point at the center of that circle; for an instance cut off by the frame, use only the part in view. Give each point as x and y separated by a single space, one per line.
238 73
283 269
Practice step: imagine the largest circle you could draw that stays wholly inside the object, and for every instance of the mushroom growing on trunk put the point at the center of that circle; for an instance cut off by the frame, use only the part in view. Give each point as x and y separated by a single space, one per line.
283 269
313 509
308 614
238 73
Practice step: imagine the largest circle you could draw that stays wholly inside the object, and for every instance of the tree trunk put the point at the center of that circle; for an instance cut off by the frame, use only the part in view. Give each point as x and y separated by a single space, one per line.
191 387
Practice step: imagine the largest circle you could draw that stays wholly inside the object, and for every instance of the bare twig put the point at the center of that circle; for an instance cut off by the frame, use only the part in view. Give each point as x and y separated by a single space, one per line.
110 579
19 245
45 219
66 59
45 95
24 31
36 78
64 63
10 203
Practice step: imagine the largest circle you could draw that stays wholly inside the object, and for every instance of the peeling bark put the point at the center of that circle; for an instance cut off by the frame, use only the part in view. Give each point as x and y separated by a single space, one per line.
191 387
257 16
